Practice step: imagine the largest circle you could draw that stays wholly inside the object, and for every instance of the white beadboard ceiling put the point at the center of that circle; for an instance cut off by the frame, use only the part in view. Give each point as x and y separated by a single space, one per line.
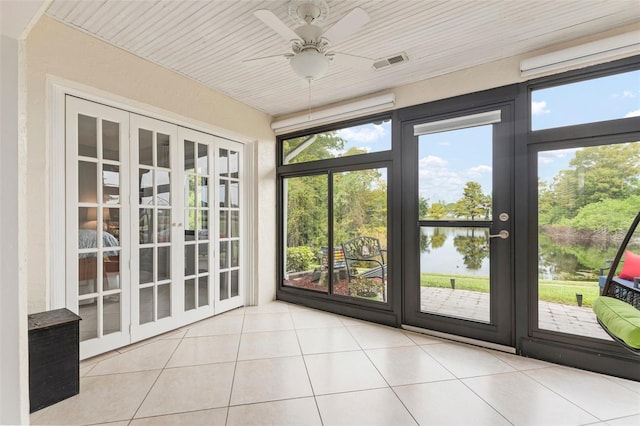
207 41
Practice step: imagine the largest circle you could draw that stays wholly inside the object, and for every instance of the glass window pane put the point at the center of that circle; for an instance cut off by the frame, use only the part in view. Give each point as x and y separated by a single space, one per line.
234 194
224 224
360 233
190 259
111 314
87 136
189 294
599 99
203 257
454 272
164 150
234 164
189 225
203 192
110 140
147 305
164 263
189 155
164 226
223 185
455 174
87 221
224 254
190 191
145 187
164 301
361 139
87 182
87 273
145 147
111 184
223 162
587 199
111 225
203 291
235 284
224 285
88 311
235 253
111 268
203 159
146 226
164 187
146 265
306 201
203 224
235 224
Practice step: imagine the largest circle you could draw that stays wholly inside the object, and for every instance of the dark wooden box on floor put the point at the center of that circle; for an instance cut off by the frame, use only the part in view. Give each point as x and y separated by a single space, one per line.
54 357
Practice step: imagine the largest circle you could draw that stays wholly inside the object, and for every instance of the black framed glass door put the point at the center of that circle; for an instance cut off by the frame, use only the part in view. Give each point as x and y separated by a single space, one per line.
458 234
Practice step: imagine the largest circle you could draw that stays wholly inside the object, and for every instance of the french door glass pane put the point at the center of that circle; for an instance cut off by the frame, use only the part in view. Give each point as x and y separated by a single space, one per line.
203 159
111 184
87 136
587 199
145 147
88 311
164 300
189 153
203 291
111 313
163 151
306 229
87 182
110 140
147 305
189 294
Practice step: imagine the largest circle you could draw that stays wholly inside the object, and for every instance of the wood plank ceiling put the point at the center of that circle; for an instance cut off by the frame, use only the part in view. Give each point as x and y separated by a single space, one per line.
208 40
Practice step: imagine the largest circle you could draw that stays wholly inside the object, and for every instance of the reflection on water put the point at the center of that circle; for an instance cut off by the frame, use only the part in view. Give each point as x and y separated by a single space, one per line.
463 251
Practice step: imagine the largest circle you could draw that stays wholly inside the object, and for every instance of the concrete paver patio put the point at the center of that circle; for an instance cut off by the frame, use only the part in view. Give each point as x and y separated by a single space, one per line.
475 306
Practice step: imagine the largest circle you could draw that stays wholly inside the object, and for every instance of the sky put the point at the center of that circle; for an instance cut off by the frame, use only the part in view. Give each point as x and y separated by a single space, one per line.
448 160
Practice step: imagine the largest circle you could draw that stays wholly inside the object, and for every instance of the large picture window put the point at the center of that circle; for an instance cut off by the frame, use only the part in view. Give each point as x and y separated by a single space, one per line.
335 213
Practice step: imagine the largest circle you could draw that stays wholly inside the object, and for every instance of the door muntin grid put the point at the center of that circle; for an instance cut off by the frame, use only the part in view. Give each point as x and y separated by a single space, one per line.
229 238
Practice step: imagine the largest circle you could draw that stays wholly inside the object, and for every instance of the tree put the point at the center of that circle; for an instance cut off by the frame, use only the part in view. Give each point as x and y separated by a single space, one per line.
595 174
473 201
437 211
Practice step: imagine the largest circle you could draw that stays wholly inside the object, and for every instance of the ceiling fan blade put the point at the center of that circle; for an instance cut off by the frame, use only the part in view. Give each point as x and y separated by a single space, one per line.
273 22
352 61
268 59
349 24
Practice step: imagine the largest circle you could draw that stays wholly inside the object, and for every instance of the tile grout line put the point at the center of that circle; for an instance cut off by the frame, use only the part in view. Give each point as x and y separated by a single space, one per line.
235 367
306 369
158 377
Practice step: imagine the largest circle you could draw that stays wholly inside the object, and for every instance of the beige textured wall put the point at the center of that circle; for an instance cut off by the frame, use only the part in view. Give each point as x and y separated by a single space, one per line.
57 50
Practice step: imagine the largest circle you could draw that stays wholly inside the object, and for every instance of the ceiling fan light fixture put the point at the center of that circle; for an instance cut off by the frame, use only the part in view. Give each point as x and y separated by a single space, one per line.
310 64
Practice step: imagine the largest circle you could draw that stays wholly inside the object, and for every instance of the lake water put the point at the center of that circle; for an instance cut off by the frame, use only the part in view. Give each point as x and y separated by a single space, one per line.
465 251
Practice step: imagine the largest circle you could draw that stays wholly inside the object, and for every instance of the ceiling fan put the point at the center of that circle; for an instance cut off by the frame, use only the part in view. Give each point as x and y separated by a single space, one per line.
310 56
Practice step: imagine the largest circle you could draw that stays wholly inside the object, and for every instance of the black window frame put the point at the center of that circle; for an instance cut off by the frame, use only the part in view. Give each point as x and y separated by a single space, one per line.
388 312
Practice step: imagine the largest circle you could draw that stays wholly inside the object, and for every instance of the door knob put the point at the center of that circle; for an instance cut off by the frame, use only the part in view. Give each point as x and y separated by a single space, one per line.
504 234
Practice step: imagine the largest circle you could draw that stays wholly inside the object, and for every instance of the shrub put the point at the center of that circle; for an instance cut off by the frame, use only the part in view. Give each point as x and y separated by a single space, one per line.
299 258
366 287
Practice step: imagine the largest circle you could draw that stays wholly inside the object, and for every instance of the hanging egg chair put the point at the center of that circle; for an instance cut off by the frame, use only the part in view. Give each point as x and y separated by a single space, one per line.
618 308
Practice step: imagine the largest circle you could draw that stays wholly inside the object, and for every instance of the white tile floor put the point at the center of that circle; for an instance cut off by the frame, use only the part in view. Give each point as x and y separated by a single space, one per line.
281 364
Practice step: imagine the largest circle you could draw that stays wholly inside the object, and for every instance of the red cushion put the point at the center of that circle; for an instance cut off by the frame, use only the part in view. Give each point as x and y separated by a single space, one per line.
631 266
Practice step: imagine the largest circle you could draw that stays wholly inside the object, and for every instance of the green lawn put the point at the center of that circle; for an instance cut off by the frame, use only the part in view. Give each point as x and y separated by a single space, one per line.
549 291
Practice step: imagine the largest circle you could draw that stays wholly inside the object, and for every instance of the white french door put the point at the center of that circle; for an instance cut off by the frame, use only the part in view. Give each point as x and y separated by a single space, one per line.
97 224
154 225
